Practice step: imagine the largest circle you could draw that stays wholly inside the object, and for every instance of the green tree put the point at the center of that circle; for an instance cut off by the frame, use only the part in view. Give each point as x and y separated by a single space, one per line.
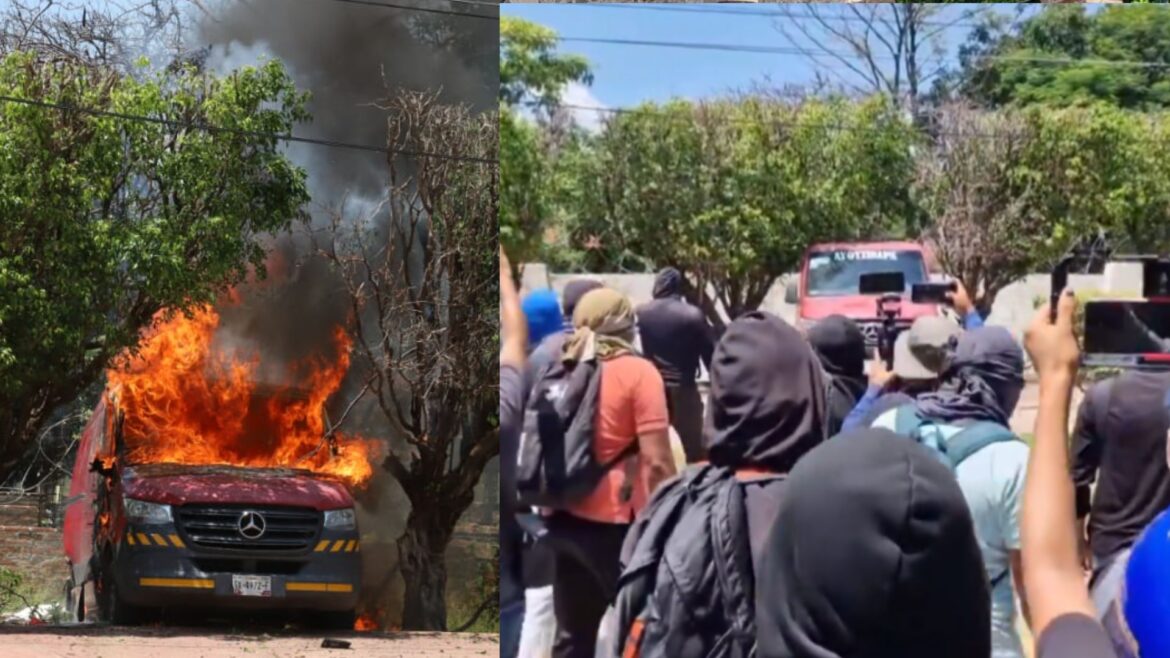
534 75
531 69
1028 64
106 220
1009 191
731 192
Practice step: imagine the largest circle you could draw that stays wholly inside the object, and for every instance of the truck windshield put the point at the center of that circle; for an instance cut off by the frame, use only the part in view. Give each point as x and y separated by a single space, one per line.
838 272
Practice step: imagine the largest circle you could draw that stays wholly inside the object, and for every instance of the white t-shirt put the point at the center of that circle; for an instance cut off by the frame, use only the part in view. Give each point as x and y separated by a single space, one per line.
992 481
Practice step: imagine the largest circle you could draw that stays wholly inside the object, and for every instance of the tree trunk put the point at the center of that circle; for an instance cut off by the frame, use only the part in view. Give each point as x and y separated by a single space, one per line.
421 552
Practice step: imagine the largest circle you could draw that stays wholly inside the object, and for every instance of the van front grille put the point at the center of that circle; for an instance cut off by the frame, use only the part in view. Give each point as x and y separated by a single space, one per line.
251 529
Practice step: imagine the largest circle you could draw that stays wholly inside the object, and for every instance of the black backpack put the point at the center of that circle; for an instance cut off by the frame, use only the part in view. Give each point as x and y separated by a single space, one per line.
555 464
687 589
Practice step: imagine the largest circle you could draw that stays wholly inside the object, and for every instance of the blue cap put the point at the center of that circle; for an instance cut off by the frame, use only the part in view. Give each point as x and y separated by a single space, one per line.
1147 589
543 311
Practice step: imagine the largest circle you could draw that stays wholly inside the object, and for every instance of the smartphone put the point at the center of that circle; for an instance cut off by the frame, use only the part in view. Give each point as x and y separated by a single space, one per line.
932 293
881 283
1122 333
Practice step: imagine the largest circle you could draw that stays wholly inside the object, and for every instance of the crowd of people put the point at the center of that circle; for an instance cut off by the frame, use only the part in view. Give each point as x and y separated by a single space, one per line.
817 510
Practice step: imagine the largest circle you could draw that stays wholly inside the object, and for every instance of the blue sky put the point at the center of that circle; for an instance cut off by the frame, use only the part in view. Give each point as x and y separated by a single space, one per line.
627 75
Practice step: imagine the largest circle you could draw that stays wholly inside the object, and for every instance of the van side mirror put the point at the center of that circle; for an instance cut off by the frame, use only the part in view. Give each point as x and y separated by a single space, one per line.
792 292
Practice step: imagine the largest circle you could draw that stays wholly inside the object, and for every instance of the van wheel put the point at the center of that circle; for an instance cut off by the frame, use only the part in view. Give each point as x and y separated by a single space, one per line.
115 610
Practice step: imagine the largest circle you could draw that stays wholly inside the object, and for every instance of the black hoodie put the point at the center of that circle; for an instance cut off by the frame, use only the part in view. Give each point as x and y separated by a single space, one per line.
766 408
872 555
675 335
840 346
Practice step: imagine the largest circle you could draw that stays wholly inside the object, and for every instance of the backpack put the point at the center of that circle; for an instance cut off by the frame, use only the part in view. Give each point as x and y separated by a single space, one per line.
687 589
953 451
555 464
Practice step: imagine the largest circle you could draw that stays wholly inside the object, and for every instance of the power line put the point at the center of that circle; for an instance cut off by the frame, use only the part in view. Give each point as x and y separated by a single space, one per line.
426 10
781 50
777 13
287 137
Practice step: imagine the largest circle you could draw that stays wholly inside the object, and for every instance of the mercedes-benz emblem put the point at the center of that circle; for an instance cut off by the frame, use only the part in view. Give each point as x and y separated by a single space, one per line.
251 525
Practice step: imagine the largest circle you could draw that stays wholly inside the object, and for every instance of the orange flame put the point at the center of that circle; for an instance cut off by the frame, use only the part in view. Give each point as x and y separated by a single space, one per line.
187 402
365 622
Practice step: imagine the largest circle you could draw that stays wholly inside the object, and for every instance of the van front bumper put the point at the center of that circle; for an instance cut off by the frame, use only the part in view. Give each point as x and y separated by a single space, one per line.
153 566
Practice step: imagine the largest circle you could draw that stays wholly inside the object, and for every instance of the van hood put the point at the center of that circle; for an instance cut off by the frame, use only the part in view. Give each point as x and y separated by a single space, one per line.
857 307
178 484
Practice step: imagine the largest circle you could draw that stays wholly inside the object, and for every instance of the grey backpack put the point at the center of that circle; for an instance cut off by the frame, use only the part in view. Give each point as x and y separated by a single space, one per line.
556 466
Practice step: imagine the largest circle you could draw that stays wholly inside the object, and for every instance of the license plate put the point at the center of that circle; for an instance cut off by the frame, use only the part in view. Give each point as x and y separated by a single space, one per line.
252 585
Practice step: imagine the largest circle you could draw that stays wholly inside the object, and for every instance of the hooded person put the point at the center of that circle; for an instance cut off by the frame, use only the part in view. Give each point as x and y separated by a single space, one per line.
982 385
676 338
543 312
538 628
881 563
840 345
549 346
630 437
701 535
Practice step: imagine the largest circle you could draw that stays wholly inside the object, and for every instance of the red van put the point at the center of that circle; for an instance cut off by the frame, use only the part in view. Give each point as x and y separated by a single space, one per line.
144 537
829 277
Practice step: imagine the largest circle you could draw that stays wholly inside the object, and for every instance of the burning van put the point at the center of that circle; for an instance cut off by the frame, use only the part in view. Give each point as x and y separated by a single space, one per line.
196 486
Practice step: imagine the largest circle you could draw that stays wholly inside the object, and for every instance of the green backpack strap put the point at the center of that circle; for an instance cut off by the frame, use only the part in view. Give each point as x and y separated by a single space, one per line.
907 421
973 438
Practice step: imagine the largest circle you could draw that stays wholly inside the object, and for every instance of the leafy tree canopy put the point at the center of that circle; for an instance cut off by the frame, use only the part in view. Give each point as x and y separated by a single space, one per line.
530 67
106 219
1028 64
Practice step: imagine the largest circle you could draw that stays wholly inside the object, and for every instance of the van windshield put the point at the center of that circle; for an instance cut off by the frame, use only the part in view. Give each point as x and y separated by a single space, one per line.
838 272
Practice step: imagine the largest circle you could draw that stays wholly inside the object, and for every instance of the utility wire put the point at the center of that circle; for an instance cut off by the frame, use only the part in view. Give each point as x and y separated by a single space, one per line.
287 137
781 50
426 10
777 13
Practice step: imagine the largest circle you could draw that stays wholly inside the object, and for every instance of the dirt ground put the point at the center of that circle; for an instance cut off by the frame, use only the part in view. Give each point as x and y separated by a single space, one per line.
121 642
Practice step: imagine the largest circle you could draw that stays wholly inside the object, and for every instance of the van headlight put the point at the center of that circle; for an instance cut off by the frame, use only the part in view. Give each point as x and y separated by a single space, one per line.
340 519
143 512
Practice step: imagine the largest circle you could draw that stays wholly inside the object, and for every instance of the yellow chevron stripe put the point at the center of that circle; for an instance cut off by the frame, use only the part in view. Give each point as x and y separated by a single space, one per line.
350 545
322 545
143 539
318 587
193 583
158 539
130 538
337 545
178 543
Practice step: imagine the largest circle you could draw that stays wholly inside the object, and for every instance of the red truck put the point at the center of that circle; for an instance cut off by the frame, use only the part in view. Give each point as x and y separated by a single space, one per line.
144 537
829 277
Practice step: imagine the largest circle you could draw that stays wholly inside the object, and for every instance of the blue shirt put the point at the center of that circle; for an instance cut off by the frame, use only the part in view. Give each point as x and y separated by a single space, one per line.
992 481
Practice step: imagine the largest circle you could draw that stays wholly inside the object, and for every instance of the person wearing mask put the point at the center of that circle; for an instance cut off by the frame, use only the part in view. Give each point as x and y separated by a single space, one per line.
1120 444
676 338
631 411
513 349
872 553
766 410
920 355
543 312
1063 617
983 382
840 346
549 347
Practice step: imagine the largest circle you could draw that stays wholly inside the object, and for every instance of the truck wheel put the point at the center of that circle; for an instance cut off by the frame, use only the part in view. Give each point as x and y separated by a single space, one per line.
335 621
118 612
